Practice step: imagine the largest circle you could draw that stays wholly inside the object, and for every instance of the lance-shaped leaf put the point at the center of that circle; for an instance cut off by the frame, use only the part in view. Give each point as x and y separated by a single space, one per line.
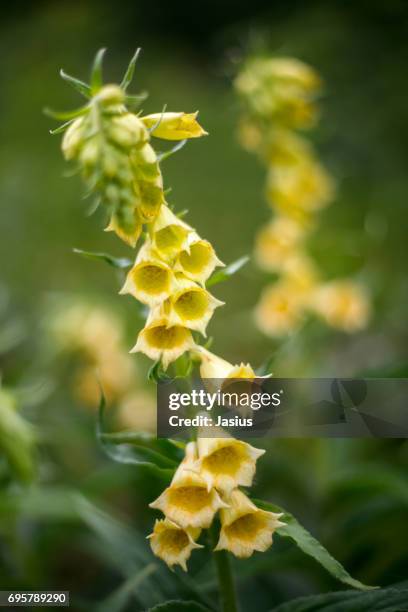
128 76
96 72
132 454
391 599
78 85
312 547
228 271
115 262
162 156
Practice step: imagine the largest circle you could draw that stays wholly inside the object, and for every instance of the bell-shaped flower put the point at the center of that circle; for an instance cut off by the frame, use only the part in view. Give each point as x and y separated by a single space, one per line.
174 126
191 305
281 308
129 233
198 260
188 501
150 280
172 543
169 234
343 304
161 340
303 187
245 528
226 463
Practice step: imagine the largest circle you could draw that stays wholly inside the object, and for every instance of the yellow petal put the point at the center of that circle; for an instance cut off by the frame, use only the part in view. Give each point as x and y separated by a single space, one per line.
150 282
226 463
343 304
174 126
159 340
198 260
188 501
172 543
245 528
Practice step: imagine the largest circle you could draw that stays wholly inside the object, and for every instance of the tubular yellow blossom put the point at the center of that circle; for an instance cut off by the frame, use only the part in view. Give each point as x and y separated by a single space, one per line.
150 282
198 260
343 304
303 187
172 543
226 463
160 340
129 235
188 501
169 233
277 242
280 309
245 528
174 126
192 306
212 366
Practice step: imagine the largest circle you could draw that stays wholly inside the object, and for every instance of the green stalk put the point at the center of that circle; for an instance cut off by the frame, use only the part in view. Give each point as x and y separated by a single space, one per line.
228 596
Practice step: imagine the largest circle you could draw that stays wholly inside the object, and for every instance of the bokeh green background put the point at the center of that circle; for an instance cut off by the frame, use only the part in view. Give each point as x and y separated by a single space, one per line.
190 55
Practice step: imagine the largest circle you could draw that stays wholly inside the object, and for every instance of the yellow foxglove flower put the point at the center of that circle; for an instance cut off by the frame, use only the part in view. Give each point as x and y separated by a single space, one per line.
169 234
149 281
277 242
198 260
280 309
213 366
129 232
302 187
192 306
245 528
226 463
343 304
160 340
188 501
174 126
172 543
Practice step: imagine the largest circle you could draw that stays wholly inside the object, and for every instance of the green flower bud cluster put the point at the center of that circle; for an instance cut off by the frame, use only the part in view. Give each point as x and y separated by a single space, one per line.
111 147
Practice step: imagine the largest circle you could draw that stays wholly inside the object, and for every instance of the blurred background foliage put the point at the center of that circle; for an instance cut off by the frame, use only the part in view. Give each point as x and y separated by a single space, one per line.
351 494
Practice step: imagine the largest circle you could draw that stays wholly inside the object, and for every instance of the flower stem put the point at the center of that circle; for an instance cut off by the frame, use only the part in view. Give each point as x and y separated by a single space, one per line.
228 597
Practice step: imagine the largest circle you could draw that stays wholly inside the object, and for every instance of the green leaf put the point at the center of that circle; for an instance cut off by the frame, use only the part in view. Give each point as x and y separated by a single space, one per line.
162 156
144 443
96 72
61 128
130 454
391 599
172 450
312 547
116 262
179 606
228 271
65 115
128 76
78 85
